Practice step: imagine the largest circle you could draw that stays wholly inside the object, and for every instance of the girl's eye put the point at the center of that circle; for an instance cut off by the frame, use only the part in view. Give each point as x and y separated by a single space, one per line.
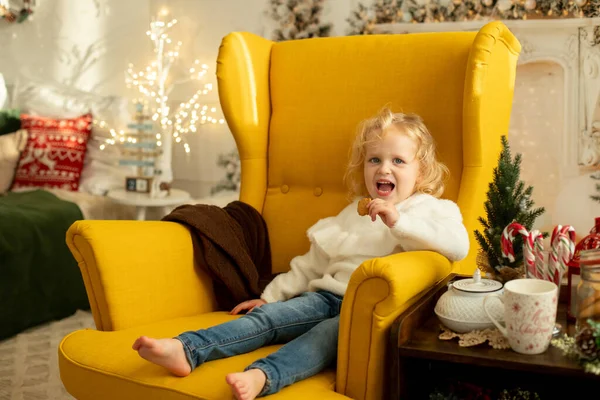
398 161
374 160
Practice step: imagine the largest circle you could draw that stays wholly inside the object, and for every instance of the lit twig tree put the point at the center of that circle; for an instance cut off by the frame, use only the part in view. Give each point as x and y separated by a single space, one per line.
155 83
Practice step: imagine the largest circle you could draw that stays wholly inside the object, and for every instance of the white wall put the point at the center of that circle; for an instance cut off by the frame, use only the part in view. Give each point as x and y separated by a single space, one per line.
88 44
80 42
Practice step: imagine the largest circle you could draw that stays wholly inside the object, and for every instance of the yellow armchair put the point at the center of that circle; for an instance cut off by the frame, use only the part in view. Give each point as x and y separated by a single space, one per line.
293 108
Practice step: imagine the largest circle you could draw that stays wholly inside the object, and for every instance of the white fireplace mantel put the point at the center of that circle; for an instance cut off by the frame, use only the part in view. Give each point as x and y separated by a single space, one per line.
571 43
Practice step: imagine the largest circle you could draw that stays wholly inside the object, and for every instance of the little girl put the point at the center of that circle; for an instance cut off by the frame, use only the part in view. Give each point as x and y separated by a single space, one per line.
393 162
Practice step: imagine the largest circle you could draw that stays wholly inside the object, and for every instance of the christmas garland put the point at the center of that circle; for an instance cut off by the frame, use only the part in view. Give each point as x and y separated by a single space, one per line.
298 19
363 19
585 346
466 390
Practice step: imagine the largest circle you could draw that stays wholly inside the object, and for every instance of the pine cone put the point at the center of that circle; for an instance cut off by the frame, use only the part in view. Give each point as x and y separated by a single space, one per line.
586 343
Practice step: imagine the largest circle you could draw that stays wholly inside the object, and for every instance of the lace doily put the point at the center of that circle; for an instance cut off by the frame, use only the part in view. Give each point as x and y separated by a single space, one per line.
473 338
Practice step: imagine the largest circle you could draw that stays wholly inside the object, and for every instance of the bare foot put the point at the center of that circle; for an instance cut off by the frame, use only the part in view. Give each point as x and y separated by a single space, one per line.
246 385
167 353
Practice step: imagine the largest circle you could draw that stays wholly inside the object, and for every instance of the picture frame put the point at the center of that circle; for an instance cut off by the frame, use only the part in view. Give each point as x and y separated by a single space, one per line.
138 184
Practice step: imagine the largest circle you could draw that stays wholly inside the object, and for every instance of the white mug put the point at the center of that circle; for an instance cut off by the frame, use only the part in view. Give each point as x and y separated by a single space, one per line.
529 314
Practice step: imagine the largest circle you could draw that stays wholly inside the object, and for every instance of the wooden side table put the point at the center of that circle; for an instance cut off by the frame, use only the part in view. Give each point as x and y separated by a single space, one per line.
421 356
143 200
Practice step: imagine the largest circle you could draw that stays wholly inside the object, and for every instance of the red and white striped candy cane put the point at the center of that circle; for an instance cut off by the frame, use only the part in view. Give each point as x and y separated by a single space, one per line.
540 271
553 262
555 232
563 248
508 235
506 245
569 231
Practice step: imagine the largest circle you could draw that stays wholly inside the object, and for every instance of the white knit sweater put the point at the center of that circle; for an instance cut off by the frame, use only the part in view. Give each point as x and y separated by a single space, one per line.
340 244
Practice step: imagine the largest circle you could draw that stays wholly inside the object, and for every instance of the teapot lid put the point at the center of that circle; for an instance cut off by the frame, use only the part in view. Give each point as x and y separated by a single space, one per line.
476 284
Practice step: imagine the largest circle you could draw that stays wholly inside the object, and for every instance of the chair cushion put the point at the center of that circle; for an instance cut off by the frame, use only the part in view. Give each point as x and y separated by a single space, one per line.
102 365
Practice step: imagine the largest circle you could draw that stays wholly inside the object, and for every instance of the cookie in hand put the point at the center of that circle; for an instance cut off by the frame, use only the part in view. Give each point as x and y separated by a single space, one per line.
362 206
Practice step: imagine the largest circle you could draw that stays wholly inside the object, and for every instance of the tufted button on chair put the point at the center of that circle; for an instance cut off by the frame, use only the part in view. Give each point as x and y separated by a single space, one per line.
293 108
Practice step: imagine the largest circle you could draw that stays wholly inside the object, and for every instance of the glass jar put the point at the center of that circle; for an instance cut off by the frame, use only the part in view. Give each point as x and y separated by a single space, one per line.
588 289
573 279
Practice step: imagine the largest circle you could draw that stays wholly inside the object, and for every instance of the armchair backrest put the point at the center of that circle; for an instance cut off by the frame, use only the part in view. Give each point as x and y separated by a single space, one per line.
294 106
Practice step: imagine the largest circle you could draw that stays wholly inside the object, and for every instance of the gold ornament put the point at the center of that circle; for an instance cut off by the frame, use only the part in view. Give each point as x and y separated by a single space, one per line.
581 3
488 3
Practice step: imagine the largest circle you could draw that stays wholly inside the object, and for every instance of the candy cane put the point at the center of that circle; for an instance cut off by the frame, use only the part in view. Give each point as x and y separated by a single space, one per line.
563 246
541 271
555 231
553 262
553 256
506 245
508 235
569 231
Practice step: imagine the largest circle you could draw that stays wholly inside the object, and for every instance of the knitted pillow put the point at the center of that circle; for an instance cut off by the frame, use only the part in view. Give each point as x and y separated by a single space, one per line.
55 152
101 171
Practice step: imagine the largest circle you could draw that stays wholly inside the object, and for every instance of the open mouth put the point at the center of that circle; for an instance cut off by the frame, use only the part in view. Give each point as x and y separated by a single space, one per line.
384 188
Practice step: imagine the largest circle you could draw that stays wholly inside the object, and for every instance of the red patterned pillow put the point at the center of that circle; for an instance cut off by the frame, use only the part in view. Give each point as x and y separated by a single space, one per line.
54 154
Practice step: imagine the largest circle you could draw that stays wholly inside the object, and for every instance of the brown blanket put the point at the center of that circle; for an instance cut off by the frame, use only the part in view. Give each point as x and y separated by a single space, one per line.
232 245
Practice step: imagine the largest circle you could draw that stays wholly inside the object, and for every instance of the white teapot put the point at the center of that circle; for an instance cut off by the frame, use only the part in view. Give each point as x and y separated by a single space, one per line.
461 307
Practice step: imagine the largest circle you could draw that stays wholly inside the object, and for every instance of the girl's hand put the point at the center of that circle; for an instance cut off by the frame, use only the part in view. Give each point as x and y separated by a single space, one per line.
387 211
247 305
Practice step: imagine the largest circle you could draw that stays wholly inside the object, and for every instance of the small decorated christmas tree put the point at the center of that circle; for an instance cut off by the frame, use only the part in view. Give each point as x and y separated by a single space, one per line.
508 200
139 148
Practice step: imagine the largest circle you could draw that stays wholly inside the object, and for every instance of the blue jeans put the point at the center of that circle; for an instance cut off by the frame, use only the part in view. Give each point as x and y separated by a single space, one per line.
308 324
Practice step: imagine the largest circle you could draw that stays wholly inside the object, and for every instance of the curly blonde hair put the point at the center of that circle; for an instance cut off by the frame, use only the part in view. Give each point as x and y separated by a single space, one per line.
432 172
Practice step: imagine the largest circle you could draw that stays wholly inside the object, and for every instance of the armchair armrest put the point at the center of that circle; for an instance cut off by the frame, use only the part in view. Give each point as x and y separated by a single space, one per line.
137 272
378 291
